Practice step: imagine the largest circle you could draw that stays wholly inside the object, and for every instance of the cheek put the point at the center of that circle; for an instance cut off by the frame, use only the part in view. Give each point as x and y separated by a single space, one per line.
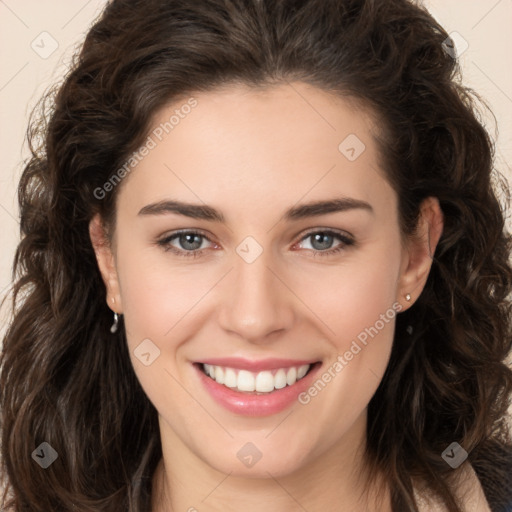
157 294
351 297
368 296
158 307
363 320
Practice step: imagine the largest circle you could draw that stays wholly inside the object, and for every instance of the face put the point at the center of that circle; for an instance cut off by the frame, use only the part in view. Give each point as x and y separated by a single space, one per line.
260 237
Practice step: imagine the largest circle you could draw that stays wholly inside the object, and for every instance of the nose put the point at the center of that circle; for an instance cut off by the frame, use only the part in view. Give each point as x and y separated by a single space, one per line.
257 304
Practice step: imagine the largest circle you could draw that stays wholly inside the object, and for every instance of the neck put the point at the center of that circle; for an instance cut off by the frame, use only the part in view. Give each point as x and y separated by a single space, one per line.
182 481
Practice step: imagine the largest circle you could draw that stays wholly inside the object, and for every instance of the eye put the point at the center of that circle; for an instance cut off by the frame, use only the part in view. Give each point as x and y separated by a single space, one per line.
187 243
322 241
190 243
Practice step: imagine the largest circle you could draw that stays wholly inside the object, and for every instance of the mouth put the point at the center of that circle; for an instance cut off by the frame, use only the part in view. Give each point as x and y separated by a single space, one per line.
251 388
256 383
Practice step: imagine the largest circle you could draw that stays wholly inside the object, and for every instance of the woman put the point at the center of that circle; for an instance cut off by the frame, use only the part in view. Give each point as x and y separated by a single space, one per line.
263 267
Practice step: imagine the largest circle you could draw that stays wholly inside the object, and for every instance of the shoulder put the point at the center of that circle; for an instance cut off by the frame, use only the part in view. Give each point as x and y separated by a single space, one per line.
467 488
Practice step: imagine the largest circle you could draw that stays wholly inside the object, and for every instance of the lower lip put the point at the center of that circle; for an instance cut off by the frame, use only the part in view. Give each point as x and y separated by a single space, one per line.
256 405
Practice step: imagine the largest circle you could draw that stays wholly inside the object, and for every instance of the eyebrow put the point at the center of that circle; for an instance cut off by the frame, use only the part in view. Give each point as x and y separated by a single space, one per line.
204 212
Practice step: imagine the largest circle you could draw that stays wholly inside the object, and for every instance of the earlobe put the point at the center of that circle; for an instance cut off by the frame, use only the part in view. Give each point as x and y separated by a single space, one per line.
106 262
420 252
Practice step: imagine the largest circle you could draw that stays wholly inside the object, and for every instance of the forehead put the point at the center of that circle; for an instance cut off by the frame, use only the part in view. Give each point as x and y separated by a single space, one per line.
291 109
270 145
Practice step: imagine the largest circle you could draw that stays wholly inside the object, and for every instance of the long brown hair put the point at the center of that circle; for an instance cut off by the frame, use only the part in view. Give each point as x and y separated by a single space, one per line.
67 381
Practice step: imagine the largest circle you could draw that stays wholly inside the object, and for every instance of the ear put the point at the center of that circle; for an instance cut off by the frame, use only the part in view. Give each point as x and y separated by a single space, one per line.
106 262
419 251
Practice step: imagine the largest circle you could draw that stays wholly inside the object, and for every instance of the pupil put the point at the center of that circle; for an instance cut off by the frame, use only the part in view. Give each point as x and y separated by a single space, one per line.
189 239
322 237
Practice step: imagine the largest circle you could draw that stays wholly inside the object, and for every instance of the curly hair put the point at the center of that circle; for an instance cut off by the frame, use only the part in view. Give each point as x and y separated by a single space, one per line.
64 382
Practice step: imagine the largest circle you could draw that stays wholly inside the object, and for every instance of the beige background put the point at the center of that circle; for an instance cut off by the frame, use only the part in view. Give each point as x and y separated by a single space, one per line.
30 29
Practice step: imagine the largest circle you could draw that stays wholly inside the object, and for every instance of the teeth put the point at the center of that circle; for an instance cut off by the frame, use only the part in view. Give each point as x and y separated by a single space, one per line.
280 379
302 370
230 378
245 381
264 382
291 376
219 375
261 382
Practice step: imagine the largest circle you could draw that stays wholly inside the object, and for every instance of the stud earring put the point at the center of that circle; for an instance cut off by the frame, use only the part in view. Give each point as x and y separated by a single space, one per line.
408 297
115 325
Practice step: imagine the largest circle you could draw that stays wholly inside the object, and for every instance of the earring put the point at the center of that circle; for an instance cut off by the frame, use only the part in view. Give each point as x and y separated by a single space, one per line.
408 297
115 325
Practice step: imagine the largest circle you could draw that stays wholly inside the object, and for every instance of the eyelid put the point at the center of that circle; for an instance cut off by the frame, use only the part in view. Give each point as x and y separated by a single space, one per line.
331 231
346 238
167 237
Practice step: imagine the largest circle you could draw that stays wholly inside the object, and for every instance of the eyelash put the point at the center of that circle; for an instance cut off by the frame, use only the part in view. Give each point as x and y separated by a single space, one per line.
165 243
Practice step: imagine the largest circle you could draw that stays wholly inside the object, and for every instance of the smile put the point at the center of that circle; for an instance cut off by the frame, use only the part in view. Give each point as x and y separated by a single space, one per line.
255 388
261 382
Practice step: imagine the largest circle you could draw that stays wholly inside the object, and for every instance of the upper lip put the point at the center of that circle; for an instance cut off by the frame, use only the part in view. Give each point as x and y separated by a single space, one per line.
255 366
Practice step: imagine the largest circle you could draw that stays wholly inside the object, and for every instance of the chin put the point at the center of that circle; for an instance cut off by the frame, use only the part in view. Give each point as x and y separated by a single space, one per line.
257 459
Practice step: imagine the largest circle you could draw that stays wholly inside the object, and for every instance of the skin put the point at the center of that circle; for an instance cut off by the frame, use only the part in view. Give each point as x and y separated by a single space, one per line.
252 154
